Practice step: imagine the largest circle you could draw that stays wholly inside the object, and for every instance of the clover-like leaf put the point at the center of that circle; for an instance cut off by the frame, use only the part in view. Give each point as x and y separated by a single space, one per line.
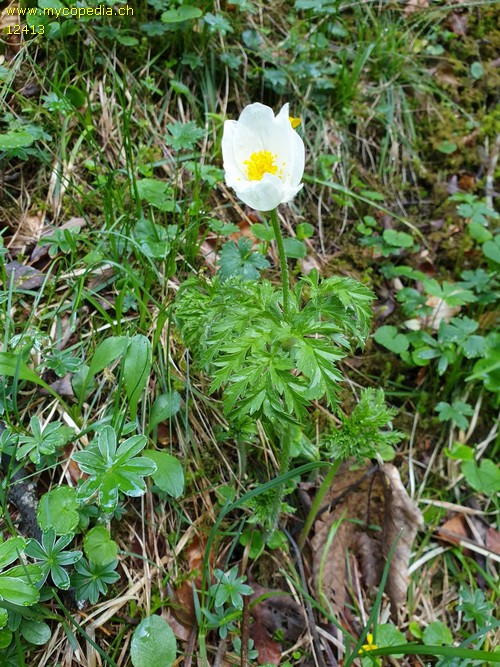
112 470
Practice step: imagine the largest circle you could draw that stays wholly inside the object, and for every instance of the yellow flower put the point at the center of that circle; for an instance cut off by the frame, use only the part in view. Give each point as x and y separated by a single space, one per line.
263 156
370 646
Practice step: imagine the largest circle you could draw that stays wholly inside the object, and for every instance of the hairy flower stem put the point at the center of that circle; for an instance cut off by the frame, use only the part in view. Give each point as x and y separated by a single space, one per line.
286 439
285 281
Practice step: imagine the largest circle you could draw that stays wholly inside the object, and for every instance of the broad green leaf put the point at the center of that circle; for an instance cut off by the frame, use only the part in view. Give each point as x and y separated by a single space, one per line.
153 643
5 637
10 550
398 239
304 230
165 407
4 617
154 191
184 13
136 368
241 260
437 634
169 476
262 232
484 478
479 233
294 248
183 135
15 139
17 591
389 635
447 147
58 509
106 353
35 632
491 249
389 337
99 547
13 366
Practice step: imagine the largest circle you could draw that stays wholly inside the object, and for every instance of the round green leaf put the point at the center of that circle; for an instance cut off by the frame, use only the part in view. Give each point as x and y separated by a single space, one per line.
295 248
389 635
476 70
389 337
262 232
35 632
5 638
304 231
398 239
58 509
4 617
437 634
153 643
99 547
491 249
447 147
484 478
169 475
185 13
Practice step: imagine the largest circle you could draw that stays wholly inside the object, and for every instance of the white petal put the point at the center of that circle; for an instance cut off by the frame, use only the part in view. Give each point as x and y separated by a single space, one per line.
263 195
297 160
256 115
290 191
237 143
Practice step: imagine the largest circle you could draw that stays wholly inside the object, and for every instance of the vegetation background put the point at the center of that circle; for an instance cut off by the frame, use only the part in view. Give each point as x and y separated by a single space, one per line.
134 506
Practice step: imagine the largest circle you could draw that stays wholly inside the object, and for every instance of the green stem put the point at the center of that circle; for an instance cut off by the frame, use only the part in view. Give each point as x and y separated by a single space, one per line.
283 263
284 461
318 500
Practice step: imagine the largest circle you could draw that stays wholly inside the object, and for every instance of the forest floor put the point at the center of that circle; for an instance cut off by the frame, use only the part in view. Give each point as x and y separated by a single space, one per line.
149 513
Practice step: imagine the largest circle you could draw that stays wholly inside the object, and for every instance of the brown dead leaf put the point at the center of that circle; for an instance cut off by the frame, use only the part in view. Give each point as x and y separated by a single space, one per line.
440 311
269 650
373 510
308 264
467 182
445 74
453 530
493 540
27 233
25 277
180 631
278 611
183 602
413 6
458 23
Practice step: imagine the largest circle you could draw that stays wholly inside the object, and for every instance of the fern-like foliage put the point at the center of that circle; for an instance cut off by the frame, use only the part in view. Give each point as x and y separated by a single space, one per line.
367 431
269 367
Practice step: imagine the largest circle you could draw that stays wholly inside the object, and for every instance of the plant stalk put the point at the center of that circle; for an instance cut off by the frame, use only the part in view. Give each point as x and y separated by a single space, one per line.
284 461
326 484
285 280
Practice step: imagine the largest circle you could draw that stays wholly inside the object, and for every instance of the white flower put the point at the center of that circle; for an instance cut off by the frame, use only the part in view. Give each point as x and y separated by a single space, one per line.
263 157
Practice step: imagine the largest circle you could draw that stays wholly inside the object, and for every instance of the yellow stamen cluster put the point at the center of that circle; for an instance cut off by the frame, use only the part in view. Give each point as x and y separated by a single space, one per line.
294 121
260 163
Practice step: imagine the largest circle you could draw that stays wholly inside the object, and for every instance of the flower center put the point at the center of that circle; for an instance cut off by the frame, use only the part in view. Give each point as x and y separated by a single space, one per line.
260 163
